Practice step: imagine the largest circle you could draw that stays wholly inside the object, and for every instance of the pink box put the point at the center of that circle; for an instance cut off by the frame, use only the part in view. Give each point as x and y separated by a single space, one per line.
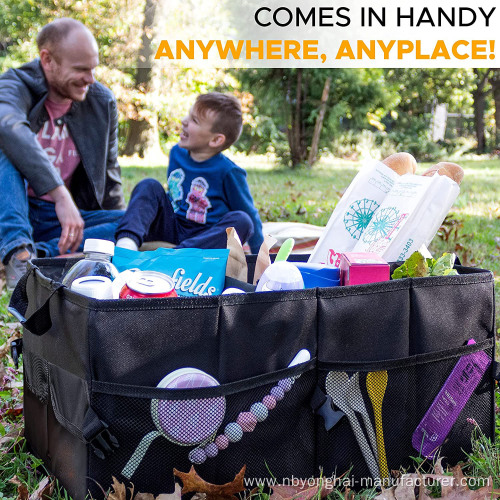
357 268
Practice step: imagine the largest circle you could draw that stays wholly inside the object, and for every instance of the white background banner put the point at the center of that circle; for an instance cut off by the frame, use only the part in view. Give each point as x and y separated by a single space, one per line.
328 34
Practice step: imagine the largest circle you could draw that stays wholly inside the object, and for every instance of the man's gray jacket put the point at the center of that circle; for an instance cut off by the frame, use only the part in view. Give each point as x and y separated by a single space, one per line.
92 123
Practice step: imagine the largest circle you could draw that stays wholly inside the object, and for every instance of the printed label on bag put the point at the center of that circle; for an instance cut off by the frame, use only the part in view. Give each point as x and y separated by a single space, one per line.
195 272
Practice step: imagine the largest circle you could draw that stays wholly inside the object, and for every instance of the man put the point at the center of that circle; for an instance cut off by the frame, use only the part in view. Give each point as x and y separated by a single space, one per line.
59 174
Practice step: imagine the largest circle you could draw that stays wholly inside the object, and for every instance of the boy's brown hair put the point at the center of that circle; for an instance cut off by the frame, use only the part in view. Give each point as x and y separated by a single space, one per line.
227 109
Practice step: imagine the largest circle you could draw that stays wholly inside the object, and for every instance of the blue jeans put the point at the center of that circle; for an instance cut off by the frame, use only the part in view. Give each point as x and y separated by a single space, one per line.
150 217
33 222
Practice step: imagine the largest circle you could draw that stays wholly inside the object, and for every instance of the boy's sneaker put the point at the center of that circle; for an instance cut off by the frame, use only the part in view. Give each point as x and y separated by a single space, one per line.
16 267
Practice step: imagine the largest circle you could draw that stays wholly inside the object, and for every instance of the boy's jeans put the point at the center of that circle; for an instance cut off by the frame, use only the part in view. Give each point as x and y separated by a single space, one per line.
24 221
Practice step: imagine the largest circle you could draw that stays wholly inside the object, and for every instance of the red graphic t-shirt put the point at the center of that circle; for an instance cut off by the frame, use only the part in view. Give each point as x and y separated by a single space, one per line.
56 141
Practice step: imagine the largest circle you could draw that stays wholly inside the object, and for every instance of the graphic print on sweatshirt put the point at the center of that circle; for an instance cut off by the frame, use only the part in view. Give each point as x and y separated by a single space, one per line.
198 201
56 141
174 181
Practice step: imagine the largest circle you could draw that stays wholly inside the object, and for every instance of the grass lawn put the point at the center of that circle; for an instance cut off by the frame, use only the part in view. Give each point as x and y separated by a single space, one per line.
472 230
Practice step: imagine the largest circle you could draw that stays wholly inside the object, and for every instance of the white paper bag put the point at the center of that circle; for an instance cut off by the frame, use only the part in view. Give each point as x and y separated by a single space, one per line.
409 217
387 214
353 212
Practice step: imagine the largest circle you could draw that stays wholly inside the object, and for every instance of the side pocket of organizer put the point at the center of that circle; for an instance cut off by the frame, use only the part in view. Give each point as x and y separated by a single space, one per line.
254 422
426 405
374 405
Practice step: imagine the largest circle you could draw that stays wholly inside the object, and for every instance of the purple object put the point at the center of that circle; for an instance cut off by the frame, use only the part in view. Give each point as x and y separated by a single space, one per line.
286 384
190 421
278 393
222 442
197 456
211 450
247 421
446 407
269 402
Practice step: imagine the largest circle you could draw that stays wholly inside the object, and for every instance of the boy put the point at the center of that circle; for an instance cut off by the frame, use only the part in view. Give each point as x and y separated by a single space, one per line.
207 192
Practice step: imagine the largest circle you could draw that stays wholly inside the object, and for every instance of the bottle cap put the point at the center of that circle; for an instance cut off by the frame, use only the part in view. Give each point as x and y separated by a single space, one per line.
100 246
95 287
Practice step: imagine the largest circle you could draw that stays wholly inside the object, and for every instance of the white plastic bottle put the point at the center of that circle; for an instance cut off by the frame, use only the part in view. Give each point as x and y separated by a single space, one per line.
97 262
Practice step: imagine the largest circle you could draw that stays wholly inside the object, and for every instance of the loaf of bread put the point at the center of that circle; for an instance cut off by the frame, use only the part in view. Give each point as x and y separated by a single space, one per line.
451 170
401 163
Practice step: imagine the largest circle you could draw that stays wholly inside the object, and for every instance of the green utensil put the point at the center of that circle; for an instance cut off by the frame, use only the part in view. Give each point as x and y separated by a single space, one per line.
376 384
285 250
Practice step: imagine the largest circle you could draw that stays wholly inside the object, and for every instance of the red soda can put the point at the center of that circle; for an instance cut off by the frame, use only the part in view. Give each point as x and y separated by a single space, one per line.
147 284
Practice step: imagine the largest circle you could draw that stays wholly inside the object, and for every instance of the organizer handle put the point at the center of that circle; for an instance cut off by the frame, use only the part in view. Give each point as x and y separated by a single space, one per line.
40 321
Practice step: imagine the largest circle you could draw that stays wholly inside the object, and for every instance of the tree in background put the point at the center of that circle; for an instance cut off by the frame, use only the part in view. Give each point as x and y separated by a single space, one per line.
495 89
286 110
480 93
419 90
142 137
292 100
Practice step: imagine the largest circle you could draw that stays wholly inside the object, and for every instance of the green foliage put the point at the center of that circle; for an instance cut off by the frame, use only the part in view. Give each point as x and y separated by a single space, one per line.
417 266
410 133
484 461
291 99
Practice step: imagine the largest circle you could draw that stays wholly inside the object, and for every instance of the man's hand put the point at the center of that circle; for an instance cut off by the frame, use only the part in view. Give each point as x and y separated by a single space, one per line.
69 216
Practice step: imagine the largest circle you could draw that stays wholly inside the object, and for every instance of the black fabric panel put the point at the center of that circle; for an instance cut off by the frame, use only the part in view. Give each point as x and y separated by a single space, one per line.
263 332
364 322
67 458
35 424
65 343
70 399
447 311
139 341
36 375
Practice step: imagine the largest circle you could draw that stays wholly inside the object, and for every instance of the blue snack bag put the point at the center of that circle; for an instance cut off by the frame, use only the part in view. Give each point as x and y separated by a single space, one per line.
196 272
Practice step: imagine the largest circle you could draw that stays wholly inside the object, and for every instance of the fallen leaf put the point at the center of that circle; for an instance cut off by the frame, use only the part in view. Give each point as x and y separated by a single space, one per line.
387 494
452 487
15 412
12 435
22 490
13 334
119 491
144 496
438 467
44 490
176 495
305 492
193 483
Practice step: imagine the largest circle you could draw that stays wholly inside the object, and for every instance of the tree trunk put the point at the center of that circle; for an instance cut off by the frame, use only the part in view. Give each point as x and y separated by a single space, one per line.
142 137
479 96
495 86
479 107
313 152
295 136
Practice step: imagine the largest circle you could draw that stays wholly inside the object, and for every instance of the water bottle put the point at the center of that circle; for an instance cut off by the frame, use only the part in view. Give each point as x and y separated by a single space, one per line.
97 262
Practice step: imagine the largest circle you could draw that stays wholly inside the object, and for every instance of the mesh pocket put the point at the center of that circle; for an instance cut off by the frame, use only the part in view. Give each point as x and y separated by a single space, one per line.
264 423
387 406
36 376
